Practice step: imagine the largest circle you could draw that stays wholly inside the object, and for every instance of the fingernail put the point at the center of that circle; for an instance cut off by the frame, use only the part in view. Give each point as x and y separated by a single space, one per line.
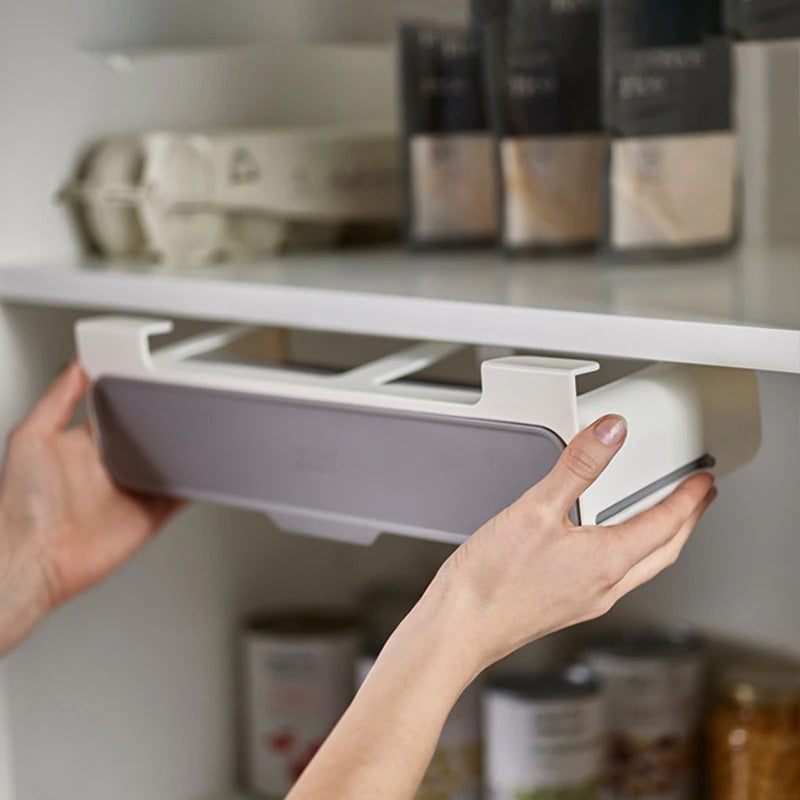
611 431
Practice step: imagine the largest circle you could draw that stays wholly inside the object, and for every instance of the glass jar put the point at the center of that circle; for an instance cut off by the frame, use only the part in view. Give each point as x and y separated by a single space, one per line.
755 736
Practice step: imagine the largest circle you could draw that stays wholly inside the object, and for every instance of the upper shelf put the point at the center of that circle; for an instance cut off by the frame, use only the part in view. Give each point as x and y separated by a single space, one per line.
739 311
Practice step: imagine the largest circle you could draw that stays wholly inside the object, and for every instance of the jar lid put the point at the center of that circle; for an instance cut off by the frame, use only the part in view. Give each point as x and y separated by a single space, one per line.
571 682
296 624
762 685
649 644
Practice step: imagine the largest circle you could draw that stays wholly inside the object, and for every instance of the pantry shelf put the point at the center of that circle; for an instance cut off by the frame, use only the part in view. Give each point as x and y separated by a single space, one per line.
738 311
174 54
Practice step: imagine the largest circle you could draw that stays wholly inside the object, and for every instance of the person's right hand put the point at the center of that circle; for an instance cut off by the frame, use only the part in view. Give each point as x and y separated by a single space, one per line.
529 572
525 574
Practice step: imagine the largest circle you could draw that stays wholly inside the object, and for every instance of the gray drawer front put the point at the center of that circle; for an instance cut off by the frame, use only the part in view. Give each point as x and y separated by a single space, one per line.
400 471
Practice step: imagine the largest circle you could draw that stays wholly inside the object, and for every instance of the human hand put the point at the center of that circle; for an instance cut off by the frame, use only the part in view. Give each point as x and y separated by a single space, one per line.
64 525
529 572
525 574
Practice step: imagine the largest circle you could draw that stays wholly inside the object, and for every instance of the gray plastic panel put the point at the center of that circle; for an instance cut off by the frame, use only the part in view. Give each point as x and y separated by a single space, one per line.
399 472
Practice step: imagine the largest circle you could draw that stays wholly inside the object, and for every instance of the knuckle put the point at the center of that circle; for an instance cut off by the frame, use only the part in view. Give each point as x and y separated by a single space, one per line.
580 463
674 555
603 605
666 524
608 576
612 598
530 513
611 568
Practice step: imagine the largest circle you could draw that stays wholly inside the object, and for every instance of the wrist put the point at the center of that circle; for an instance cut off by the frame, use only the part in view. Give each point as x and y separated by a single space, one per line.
24 598
440 632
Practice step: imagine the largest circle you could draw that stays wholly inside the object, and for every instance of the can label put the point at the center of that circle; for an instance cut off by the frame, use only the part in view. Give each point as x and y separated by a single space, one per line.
454 772
543 749
296 689
653 718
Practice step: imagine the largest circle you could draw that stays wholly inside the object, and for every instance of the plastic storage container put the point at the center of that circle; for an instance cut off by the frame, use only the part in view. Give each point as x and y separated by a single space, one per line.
317 452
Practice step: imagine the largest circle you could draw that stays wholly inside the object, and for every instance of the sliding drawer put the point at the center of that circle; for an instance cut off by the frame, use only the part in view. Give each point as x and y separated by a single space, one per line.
368 451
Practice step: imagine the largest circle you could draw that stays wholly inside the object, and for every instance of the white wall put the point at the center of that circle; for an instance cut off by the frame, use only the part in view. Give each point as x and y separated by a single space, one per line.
768 78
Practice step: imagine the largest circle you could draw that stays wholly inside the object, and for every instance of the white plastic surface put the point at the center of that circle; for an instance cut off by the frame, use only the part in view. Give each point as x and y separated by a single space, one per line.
667 407
675 415
740 311
528 390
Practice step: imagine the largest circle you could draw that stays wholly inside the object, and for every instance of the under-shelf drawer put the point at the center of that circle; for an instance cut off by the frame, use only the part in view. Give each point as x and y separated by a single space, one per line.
351 455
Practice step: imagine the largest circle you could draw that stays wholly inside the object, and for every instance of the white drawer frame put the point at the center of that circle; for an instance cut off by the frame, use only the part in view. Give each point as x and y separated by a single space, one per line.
680 417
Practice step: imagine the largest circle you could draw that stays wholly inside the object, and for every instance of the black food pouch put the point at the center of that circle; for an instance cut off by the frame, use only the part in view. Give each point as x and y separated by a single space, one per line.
485 11
671 186
543 66
763 19
449 163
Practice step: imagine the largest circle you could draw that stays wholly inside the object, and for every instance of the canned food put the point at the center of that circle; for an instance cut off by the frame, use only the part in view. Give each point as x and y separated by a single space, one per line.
654 684
755 735
544 736
455 770
298 681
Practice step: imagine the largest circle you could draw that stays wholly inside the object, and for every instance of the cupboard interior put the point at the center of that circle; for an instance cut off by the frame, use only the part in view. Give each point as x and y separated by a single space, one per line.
129 691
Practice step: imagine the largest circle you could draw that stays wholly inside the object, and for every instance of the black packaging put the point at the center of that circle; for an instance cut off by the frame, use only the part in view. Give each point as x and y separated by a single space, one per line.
485 11
543 64
763 19
449 161
672 178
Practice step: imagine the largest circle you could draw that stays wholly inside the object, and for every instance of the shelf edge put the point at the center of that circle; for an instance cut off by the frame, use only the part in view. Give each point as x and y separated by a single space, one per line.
551 330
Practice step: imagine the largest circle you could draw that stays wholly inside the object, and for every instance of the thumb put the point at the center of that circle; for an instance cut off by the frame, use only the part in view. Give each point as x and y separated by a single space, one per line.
581 464
56 407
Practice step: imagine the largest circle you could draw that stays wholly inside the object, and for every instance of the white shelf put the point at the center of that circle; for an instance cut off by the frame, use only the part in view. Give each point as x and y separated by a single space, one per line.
127 59
739 311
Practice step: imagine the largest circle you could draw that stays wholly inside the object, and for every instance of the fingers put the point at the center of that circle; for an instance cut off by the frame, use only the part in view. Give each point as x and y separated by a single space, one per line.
582 463
647 532
56 407
666 555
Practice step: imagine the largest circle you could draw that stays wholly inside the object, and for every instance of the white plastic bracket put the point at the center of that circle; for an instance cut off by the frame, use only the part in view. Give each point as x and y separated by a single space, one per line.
398 365
114 345
526 390
530 389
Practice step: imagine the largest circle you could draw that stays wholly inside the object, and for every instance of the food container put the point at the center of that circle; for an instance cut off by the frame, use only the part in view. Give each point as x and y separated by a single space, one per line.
297 682
485 11
654 713
544 736
450 170
672 167
763 19
754 751
205 196
544 87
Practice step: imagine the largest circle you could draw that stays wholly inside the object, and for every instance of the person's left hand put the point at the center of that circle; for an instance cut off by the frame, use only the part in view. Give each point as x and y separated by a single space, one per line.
64 525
